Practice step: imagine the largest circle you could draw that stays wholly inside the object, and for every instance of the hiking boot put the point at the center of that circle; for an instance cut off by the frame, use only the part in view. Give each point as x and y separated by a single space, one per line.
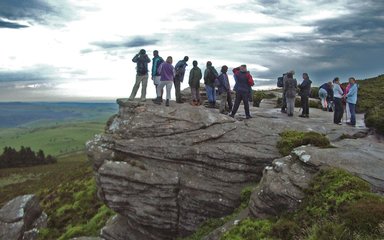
231 115
283 111
248 117
302 116
167 103
158 101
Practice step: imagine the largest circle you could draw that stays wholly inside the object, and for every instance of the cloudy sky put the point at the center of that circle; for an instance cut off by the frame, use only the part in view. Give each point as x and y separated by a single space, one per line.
83 49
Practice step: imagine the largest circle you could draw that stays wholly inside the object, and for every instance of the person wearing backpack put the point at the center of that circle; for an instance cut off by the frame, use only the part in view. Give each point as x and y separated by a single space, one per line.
284 99
244 81
224 90
210 74
156 61
195 76
141 59
180 71
305 91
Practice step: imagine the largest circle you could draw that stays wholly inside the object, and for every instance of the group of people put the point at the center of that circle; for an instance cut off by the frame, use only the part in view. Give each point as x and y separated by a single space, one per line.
330 94
165 74
333 95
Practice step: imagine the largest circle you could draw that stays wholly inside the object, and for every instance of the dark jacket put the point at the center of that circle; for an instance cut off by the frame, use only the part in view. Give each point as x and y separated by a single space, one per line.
223 83
305 88
210 74
244 80
290 86
329 90
156 61
141 61
194 77
180 70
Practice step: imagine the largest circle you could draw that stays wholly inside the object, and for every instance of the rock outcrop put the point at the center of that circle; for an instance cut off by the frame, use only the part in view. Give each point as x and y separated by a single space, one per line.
166 170
282 185
21 218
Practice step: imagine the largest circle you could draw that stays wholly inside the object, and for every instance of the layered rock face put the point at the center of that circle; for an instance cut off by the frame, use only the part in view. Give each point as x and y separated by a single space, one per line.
282 185
21 217
165 170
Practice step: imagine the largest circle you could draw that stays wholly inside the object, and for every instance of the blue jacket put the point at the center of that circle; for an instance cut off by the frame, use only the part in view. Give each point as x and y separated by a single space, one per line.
180 70
352 94
223 83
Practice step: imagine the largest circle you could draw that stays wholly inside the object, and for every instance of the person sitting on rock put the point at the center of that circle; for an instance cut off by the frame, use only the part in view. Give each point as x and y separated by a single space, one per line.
290 85
167 74
243 80
224 91
195 76
325 93
305 91
210 74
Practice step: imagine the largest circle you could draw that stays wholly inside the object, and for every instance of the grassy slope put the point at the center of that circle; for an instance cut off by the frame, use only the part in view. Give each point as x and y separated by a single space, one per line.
56 140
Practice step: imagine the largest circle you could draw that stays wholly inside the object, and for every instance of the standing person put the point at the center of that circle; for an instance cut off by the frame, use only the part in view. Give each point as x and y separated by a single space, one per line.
325 92
210 74
141 59
224 90
304 93
156 61
284 107
351 97
290 85
244 80
167 75
337 96
347 111
180 71
195 76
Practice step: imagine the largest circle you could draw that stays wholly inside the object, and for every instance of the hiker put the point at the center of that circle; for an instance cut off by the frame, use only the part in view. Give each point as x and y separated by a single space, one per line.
351 97
141 59
180 71
304 93
337 96
284 106
290 85
325 93
195 76
224 91
156 61
167 75
347 111
210 74
244 81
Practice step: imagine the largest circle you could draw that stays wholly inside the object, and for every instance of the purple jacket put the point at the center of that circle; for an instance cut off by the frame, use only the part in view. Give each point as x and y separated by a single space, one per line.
166 71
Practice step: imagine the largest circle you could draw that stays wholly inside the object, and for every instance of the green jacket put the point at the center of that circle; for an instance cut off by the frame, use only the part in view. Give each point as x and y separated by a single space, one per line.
194 77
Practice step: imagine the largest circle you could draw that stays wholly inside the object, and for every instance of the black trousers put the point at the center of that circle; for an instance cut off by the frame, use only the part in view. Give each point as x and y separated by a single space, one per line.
241 96
305 105
338 113
284 107
177 89
229 100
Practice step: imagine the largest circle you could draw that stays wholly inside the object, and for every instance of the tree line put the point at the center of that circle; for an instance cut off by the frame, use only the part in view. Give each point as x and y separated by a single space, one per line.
25 157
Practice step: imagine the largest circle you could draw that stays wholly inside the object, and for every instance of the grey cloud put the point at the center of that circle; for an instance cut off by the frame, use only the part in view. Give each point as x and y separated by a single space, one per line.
37 11
112 46
7 24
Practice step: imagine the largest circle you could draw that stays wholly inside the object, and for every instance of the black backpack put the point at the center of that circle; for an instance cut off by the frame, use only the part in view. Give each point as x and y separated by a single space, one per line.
280 82
142 67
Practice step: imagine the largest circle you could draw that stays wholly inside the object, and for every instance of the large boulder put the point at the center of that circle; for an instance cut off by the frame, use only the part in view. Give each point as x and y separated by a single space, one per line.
165 170
282 186
21 217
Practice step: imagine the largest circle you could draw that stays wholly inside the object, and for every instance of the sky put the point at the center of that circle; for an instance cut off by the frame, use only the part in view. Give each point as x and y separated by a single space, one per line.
82 49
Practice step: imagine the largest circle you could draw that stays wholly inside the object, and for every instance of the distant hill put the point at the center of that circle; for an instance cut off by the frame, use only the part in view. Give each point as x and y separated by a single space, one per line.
15 114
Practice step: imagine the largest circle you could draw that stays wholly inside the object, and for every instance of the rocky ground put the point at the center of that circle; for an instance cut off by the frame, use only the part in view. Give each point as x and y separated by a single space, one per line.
165 170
